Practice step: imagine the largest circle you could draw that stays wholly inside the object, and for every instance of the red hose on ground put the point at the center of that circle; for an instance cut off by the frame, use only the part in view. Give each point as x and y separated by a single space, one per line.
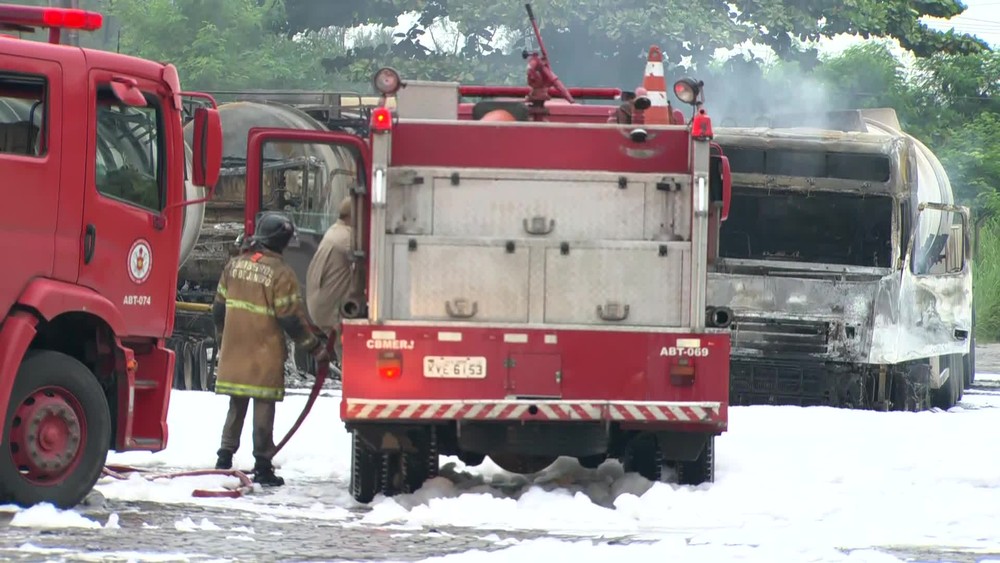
246 484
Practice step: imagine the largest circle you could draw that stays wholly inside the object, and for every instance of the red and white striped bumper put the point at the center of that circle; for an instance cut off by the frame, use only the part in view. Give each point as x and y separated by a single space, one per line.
619 411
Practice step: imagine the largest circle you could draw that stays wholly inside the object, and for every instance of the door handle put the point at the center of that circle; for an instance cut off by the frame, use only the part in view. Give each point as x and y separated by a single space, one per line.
89 239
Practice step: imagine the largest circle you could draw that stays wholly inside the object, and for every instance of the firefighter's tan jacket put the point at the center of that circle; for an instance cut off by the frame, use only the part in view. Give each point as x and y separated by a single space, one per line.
329 279
258 300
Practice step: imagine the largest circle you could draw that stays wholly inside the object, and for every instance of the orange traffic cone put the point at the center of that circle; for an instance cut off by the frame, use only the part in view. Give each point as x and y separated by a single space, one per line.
656 88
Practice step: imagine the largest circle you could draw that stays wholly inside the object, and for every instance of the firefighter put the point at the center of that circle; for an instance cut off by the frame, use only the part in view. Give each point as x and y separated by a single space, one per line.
624 112
257 302
330 275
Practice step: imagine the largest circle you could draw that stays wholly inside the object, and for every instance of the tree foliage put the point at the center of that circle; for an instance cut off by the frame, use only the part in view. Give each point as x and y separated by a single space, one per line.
600 41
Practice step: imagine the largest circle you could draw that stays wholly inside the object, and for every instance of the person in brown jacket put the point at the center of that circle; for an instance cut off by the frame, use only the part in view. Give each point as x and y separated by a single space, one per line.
330 275
256 304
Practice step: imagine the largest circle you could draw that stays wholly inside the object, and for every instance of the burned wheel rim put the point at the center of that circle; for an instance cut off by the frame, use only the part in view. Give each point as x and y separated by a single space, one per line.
47 435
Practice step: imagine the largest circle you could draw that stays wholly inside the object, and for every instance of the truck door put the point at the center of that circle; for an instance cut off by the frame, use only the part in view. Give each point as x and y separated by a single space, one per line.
307 181
128 255
935 297
30 150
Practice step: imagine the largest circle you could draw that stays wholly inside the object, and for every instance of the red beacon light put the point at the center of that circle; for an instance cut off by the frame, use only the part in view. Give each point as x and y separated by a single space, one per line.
381 119
26 18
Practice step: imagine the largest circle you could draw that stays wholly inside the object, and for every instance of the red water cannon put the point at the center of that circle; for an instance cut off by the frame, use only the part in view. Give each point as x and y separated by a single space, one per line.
540 75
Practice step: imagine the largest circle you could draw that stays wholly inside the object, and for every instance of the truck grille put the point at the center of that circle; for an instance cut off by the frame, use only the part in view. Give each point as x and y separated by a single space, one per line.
781 383
780 336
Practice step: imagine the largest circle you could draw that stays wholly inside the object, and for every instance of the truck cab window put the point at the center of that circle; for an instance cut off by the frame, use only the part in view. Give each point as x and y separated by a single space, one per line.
129 151
22 113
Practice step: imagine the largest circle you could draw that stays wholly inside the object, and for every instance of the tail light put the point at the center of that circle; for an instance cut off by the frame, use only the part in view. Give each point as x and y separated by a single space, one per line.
682 373
389 365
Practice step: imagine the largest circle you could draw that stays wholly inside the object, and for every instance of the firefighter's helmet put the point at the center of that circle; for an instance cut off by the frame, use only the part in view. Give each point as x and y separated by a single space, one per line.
274 231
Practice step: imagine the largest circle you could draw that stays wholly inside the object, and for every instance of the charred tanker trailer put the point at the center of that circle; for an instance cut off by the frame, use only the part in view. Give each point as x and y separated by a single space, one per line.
306 181
846 266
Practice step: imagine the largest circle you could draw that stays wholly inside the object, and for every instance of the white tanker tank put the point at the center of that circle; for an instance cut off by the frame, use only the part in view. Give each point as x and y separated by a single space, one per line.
933 185
209 231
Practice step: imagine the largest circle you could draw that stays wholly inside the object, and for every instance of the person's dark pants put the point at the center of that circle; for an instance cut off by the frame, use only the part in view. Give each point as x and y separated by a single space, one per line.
263 427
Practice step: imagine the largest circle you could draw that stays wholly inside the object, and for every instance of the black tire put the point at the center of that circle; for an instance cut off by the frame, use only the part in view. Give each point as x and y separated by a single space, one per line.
471 459
701 470
366 468
176 346
969 360
393 478
421 465
591 461
911 387
63 374
643 456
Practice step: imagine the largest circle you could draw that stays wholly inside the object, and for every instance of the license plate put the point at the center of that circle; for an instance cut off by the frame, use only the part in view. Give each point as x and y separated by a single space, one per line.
455 367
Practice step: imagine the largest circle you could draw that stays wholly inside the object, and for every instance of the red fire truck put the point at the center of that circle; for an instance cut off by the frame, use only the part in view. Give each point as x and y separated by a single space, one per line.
96 177
535 281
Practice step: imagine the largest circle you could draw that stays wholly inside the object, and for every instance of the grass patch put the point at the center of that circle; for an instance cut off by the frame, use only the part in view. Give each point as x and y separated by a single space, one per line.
986 283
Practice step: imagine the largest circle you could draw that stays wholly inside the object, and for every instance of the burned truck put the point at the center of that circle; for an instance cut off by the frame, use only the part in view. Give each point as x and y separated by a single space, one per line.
846 266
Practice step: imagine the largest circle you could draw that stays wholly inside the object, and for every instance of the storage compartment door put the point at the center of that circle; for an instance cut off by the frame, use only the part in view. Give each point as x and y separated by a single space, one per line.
534 375
636 285
526 208
458 281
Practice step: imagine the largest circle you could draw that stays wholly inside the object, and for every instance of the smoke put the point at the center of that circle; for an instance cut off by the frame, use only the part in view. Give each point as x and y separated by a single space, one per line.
742 92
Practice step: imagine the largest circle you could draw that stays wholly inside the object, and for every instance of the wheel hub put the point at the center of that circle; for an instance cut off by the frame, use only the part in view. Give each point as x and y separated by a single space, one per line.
47 436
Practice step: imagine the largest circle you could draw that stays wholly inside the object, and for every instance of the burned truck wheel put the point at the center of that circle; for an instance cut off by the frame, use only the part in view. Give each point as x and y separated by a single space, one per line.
642 455
911 387
947 395
57 432
701 470
366 469
969 360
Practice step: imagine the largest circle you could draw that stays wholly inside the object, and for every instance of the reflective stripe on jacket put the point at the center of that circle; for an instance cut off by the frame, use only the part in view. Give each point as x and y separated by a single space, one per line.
257 302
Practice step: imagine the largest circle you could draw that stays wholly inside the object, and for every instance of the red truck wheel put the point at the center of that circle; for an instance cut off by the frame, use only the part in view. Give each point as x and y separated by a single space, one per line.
701 470
57 432
366 470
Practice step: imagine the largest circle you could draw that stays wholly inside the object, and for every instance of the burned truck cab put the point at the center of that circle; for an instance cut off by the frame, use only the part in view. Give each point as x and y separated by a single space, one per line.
845 264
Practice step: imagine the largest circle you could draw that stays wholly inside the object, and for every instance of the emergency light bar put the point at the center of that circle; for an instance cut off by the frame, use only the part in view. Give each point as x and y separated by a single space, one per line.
27 18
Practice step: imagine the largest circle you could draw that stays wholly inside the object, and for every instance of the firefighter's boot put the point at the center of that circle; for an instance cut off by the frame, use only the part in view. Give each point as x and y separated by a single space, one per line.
263 473
225 460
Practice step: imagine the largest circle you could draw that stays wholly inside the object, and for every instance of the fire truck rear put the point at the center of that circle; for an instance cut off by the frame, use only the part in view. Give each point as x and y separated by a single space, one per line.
534 281
535 289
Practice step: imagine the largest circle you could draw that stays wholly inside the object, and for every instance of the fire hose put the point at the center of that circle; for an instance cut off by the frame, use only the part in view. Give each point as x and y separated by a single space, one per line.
246 484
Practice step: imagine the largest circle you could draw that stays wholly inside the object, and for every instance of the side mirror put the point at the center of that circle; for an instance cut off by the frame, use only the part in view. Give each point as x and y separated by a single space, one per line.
207 149
720 183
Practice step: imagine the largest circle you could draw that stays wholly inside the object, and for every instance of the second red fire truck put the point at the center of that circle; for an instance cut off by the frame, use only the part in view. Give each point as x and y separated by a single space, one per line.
534 281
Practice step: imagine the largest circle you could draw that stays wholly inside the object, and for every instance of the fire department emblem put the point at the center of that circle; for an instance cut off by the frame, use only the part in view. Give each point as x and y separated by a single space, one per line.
140 261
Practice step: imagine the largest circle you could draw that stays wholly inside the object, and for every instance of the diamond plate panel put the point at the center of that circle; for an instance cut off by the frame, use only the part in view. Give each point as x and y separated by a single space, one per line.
650 284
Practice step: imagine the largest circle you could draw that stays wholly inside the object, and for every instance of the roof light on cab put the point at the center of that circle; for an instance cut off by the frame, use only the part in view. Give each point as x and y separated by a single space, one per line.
36 16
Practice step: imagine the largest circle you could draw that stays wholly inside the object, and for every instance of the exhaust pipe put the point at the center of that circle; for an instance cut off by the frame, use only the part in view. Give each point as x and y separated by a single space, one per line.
719 317
352 309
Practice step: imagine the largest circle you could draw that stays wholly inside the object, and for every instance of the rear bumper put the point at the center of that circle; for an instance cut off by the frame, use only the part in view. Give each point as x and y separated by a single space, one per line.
369 410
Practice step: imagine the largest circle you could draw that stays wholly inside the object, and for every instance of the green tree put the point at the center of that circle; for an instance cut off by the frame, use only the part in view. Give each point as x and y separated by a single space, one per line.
603 41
